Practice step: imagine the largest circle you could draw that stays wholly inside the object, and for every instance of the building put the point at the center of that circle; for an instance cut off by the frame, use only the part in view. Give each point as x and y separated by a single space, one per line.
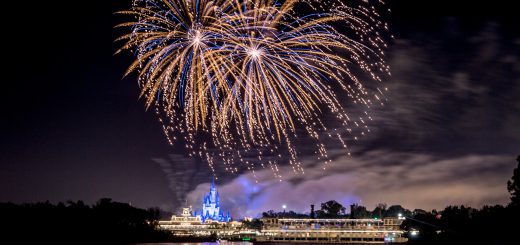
185 225
211 206
210 219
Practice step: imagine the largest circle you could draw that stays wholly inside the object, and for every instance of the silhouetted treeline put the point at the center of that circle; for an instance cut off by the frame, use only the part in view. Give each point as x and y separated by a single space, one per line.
109 222
334 209
465 225
106 222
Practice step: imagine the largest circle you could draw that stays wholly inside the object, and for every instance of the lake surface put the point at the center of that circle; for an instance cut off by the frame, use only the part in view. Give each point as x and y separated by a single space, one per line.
200 243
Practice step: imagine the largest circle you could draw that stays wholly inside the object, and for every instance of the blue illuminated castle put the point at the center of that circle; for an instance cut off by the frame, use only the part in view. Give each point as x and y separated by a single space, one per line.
211 206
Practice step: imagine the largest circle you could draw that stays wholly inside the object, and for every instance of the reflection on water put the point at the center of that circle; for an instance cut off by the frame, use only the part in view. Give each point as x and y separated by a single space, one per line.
198 243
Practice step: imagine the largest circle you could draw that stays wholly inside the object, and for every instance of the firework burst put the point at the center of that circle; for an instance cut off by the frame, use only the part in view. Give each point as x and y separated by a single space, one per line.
235 78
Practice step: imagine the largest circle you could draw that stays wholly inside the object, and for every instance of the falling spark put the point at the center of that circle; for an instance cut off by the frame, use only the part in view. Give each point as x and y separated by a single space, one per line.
235 78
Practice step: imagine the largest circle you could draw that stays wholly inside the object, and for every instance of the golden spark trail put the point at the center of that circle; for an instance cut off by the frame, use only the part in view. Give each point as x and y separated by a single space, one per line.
239 78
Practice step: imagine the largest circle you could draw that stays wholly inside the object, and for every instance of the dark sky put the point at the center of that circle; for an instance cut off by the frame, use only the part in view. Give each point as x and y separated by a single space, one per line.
72 128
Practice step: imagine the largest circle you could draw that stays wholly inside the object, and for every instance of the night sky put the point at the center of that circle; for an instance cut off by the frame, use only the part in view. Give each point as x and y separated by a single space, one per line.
72 128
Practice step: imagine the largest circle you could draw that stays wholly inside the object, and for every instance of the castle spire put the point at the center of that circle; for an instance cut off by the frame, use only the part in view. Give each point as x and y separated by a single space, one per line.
211 205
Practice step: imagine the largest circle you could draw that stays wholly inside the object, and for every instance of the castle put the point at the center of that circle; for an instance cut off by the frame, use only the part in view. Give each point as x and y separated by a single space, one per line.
190 223
211 206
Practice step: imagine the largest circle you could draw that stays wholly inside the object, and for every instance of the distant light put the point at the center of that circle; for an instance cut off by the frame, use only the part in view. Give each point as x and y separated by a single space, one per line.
414 233
284 206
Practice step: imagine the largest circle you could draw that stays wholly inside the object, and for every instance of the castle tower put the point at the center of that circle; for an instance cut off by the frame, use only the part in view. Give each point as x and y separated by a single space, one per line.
211 206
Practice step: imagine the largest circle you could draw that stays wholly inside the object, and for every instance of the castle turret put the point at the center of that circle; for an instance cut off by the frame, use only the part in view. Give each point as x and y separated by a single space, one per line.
211 205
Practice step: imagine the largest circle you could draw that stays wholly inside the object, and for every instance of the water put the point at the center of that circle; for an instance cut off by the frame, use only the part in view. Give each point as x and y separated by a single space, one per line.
200 243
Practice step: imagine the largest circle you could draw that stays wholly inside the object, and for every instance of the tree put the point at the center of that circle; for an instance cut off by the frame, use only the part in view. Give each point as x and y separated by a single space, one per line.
269 214
513 185
359 212
395 210
382 206
332 208
107 222
379 210
419 211
254 224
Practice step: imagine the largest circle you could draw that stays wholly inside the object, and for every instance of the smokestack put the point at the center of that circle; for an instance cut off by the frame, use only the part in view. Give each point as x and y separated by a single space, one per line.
352 210
312 211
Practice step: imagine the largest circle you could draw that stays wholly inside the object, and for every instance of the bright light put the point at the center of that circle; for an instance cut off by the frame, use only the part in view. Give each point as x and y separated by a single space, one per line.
284 206
254 53
251 73
400 216
414 233
196 38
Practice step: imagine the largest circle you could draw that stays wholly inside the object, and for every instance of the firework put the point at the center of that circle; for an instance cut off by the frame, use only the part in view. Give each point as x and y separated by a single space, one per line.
238 78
